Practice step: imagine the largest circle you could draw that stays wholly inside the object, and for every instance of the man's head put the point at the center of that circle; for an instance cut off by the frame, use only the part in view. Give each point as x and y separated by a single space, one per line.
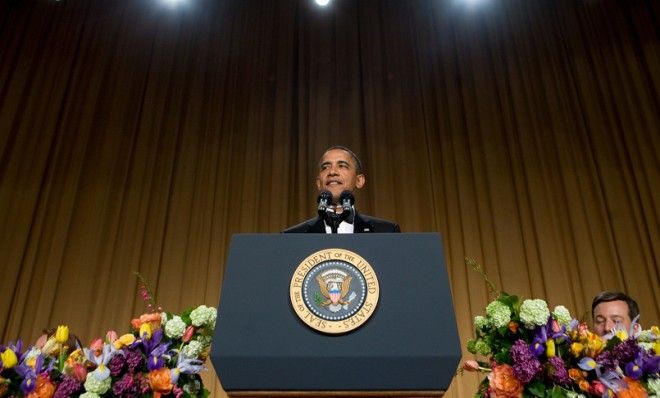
612 308
339 170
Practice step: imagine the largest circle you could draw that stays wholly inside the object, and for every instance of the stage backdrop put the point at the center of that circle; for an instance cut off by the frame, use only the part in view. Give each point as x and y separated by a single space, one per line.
137 137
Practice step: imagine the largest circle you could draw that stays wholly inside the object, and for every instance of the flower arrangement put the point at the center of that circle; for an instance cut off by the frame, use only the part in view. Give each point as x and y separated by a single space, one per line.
161 356
534 352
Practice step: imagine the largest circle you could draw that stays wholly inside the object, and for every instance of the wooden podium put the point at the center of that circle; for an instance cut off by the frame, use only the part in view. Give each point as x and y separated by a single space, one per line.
408 347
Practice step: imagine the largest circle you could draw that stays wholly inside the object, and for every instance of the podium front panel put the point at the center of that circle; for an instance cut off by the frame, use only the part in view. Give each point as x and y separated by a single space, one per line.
409 343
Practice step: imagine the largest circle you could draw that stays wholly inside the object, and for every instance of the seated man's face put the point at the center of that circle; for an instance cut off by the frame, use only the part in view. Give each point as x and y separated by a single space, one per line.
337 173
608 314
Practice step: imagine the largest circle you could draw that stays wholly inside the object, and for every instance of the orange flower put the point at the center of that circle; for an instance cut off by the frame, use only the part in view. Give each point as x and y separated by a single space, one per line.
153 319
4 387
513 327
634 390
503 383
584 385
160 380
575 374
44 388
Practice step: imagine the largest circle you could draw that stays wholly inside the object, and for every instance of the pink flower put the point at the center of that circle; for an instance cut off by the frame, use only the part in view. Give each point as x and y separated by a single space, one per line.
597 388
471 365
41 341
79 372
188 334
556 328
96 345
111 336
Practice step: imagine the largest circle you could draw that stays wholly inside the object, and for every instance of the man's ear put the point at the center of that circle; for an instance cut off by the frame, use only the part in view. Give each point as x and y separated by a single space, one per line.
361 180
318 184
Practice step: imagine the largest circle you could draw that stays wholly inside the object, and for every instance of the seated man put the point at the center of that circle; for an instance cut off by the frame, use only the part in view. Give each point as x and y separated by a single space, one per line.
340 170
614 309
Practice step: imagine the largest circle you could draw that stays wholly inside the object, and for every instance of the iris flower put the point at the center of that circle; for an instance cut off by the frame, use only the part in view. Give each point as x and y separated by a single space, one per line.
29 369
102 372
187 365
155 351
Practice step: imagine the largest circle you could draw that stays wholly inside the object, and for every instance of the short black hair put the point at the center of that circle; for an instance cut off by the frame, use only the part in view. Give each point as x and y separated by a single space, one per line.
358 162
607 296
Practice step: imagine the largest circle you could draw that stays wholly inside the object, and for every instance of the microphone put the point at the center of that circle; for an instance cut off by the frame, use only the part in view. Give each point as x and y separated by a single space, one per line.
324 200
347 200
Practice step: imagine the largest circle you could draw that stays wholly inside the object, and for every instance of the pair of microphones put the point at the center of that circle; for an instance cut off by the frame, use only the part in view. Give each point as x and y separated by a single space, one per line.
327 212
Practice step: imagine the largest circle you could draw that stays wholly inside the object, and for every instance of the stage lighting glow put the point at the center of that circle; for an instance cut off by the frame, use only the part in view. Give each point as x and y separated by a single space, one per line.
322 3
173 3
474 2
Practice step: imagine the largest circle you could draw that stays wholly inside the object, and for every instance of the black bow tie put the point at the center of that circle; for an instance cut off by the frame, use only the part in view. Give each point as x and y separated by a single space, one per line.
338 216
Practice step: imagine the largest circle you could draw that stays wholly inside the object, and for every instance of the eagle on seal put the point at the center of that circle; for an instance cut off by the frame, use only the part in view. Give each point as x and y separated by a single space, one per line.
334 290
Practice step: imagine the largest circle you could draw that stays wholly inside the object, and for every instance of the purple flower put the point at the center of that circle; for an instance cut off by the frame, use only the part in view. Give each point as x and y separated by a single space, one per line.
116 364
556 371
29 373
134 360
67 387
650 363
633 370
525 365
155 362
622 353
126 387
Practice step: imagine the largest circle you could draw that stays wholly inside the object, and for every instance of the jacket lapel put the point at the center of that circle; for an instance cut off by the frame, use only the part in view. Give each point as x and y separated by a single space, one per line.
360 225
318 227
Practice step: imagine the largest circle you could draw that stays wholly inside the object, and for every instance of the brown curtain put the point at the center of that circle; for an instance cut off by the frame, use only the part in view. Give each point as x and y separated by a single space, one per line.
134 137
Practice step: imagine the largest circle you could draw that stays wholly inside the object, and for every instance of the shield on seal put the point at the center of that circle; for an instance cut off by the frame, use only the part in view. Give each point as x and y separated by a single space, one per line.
335 295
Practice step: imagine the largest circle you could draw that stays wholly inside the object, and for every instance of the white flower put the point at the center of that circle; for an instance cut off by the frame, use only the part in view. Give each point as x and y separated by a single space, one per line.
534 313
89 395
481 322
562 315
204 316
654 386
499 313
96 385
204 340
175 327
163 318
192 349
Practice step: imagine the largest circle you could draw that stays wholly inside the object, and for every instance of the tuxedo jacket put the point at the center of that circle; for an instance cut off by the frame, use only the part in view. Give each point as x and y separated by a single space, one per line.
361 223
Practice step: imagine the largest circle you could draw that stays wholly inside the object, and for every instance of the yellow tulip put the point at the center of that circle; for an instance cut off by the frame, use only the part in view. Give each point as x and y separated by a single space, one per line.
576 349
62 334
124 340
9 359
145 329
621 334
594 344
550 348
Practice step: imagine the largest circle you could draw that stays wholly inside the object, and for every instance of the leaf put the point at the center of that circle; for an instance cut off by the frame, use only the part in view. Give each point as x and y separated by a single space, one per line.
557 392
536 388
185 316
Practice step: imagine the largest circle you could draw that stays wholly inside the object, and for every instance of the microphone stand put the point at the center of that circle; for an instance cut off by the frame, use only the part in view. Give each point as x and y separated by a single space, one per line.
334 221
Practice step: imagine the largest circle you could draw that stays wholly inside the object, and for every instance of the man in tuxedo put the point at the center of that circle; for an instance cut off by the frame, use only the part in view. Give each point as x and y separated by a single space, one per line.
340 170
612 310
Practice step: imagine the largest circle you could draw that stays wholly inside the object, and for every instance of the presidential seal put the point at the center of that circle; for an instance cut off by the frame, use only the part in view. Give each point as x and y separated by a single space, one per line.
334 291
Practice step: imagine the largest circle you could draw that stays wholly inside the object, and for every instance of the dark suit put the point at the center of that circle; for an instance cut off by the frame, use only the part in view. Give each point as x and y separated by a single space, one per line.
361 223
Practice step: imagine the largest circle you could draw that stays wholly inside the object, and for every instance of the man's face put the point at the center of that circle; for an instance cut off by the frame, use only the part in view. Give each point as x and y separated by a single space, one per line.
608 314
338 172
